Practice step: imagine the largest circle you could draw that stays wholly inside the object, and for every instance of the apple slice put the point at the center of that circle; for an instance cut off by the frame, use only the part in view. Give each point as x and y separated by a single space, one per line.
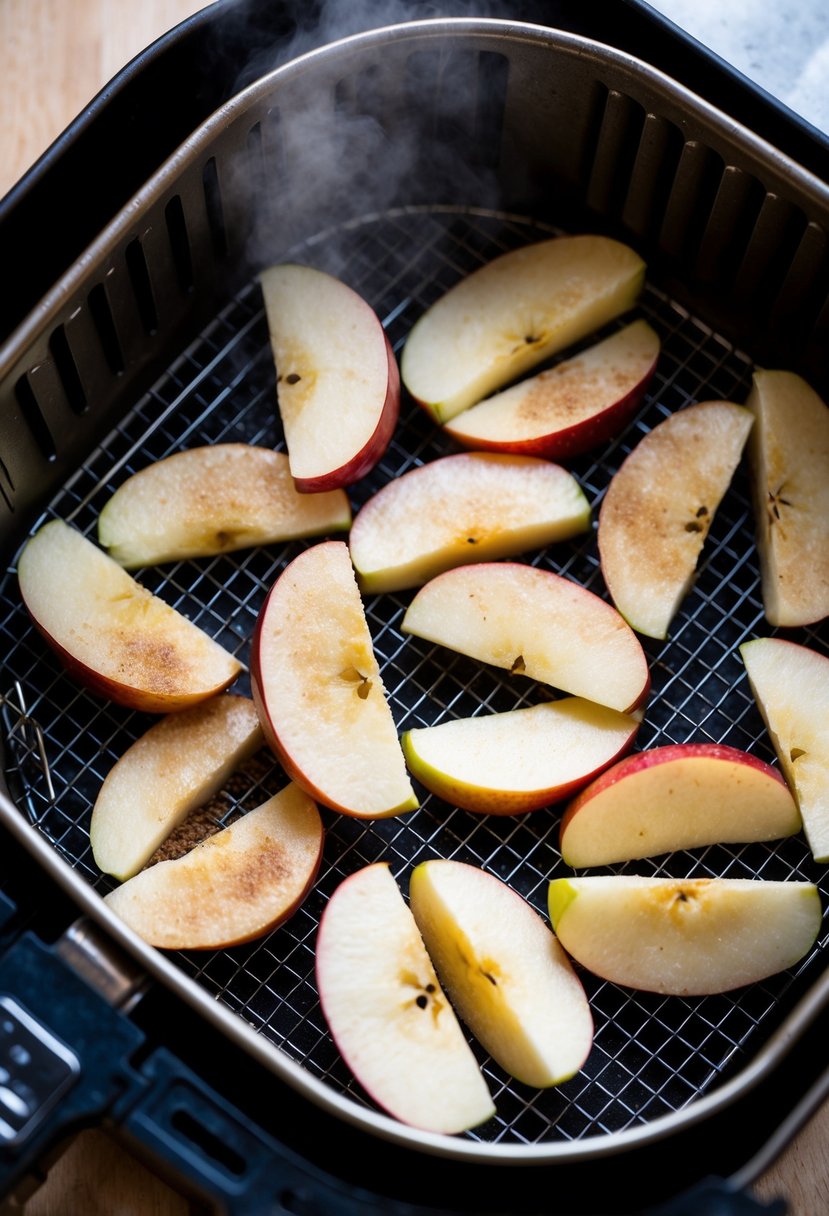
317 686
576 405
337 382
534 623
789 456
684 936
505 973
386 1010
680 796
790 684
176 766
111 634
659 506
520 760
213 500
234 886
471 507
509 315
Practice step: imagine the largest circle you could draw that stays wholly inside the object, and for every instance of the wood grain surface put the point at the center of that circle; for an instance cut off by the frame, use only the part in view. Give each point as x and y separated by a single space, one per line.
54 57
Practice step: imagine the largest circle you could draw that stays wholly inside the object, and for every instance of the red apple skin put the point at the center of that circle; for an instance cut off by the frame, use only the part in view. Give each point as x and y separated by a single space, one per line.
572 440
640 761
284 915
268 729
372 451
146 700
224 941
321 933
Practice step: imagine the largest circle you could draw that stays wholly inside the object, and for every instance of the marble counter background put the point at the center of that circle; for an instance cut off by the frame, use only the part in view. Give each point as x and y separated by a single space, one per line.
782 47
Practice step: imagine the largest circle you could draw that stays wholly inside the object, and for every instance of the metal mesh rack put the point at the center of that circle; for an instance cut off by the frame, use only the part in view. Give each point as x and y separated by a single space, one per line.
651 1055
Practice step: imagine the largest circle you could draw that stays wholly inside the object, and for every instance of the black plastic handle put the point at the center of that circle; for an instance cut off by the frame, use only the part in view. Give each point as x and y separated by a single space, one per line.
68 1059
64 1055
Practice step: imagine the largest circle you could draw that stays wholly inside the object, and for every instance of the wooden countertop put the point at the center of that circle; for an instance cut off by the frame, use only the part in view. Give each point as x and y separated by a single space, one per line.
54 56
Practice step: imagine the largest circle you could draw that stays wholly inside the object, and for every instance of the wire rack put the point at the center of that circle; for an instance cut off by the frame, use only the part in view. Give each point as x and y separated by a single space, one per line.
651 1055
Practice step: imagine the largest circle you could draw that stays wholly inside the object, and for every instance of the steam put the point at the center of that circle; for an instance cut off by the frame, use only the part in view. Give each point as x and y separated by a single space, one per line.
359 132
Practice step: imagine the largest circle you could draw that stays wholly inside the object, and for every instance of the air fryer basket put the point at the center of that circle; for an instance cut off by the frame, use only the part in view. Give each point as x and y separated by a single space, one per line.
400 160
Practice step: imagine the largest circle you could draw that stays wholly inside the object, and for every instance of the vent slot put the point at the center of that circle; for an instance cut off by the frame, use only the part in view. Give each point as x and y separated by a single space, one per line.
695 185
619 139
179 242
420 81
773 244
67 370
142 286
652 175
34 418
6 485
101 313
795 312
214 208
733 215
491 104
255 163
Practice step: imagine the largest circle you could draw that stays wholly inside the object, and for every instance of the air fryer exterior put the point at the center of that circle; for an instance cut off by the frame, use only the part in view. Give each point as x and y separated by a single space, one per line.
735 231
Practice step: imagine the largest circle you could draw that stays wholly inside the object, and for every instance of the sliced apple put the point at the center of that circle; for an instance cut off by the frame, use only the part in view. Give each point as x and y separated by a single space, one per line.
684 936
681 796
337 381
211 500
534 623
509 315
110 633
659 506
790 684
471 507
176 766
317 686
234 886
789 455
505 973
386 1010
574 406
520 760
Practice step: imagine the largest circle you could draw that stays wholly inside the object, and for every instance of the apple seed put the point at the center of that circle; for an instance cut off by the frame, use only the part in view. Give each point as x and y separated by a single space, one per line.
776 501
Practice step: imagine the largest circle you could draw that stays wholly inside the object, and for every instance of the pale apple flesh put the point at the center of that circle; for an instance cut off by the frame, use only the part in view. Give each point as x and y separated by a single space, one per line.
338 384
318 690
110 633
789 454
659 507
211 500
680 796
534 623
684 936
176 766
505 973
790 684
520 760
569 409
470 507
233 887
387 1012
512 313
